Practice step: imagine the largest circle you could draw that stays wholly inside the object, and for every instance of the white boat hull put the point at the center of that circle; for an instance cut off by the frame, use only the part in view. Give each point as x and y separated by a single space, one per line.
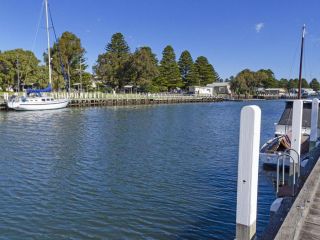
36 106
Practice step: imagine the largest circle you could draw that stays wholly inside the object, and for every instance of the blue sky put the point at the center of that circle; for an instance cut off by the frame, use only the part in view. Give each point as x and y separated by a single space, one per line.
232 34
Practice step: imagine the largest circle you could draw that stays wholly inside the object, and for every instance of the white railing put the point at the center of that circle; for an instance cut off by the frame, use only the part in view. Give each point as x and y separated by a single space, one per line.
117 96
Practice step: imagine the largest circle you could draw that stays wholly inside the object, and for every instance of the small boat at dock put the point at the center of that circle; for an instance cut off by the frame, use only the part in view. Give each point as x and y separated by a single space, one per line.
281 142
34 100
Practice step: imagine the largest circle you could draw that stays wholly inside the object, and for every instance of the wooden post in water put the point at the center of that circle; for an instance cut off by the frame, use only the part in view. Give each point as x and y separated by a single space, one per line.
314 122
248 167
296 138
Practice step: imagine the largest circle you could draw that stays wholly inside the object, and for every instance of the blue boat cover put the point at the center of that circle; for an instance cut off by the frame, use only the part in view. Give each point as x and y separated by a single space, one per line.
47 89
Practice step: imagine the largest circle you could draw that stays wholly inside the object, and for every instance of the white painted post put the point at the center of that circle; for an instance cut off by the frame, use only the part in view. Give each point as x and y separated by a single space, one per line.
248 167
314 122
295 140
296 128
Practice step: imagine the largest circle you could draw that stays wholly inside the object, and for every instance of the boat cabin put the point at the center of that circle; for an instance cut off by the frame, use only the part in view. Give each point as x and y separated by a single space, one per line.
285 123
37 99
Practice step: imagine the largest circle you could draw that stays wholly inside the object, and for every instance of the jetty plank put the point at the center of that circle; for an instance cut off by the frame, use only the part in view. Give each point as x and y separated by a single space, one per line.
303 219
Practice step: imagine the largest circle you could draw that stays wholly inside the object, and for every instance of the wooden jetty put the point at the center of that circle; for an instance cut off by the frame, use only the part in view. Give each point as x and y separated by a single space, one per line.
86 99
303 219
295 215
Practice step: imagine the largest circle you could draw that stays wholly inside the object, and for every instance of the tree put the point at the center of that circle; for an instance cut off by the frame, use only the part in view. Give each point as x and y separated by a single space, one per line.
283 83
265 78
86 81
20 65
67 51
239 85
193 78
112 66
314 84
169 77
251 80
205 70
304 83
143 68
293 83
185 65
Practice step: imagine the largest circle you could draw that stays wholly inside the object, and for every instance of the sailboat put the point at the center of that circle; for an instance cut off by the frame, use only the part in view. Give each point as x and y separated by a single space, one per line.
34 100
269 152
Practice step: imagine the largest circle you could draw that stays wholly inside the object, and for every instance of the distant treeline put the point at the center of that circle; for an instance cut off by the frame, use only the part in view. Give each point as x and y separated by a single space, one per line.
248 81
114 68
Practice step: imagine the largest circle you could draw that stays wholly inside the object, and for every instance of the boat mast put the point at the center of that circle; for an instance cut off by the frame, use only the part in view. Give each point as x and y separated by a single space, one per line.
301 59
48 36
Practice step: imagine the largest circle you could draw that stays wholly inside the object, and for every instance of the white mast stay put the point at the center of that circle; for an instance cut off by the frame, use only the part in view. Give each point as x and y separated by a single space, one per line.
48 36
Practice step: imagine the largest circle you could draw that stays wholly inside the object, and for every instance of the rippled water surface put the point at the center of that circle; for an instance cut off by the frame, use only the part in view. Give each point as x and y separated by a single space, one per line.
147 172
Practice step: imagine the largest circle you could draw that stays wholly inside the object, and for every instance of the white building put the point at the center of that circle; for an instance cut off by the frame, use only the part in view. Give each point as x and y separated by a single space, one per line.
275 91
204 91
220 88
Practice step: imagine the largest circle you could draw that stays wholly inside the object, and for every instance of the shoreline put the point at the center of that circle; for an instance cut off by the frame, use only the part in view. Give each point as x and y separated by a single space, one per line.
129 101
102 99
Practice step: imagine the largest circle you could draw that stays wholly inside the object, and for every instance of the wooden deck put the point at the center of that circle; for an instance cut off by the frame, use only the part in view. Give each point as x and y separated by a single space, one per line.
303 219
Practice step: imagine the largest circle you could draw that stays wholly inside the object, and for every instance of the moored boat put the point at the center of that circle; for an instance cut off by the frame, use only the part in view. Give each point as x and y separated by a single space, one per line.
34 100
33 103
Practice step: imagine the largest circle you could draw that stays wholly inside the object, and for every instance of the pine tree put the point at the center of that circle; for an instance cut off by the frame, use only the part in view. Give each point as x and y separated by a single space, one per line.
143 68
314 84
185 65
69 52
112 66
304 83
169 71
205 70
193 77
118 45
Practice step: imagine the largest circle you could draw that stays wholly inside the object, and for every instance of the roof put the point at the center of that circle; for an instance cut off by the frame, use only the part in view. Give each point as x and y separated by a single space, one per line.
200 86
218 84
275 89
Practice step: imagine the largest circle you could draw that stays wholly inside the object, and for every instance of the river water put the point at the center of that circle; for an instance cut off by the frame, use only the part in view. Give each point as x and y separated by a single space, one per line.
144 172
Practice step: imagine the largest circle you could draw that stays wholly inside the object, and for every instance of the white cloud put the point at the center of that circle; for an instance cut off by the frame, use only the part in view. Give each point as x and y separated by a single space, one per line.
259 26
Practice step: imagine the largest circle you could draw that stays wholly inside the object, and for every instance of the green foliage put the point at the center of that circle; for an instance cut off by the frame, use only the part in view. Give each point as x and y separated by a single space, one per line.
193 78
118 45
266 78
169 77
143 68
86 81
20 64
283 83
112 66
314 84
293 83
304 83
248 81
205 71
239 85
186 67
72 55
